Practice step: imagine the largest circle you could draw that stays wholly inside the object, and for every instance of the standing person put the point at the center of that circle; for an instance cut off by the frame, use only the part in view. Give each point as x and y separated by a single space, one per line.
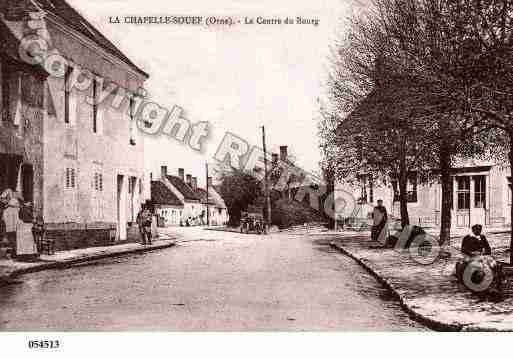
38 231
146 222
11 217
153 227
139 221
380 217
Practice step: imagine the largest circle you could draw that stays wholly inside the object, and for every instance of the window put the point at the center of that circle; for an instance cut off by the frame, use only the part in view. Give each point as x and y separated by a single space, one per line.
480 192
67 94
463 192
98 182
95 105
509 190
411 189
11 94
132 121
371 190
132 183
4 99
70 178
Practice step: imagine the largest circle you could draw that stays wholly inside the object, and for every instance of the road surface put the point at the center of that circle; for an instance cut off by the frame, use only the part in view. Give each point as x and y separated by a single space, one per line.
211 281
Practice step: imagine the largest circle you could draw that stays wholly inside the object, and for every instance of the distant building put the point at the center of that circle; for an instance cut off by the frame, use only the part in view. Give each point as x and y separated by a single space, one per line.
214 204
80 165
182 189
167 205
179 200
220 214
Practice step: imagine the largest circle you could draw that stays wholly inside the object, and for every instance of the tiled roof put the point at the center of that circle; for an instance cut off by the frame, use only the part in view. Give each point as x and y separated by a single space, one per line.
184 189
161 194
72 18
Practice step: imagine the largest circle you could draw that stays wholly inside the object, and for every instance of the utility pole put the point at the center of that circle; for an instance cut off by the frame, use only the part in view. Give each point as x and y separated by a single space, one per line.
267 194
208 210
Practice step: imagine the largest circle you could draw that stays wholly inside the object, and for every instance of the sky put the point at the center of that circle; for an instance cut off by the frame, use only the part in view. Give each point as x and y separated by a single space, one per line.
236 78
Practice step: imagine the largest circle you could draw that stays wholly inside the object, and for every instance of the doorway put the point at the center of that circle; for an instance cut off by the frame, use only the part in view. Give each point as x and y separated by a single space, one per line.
121 208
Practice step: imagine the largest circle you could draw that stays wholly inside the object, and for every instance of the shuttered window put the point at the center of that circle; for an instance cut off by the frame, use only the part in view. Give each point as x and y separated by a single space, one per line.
70 178
98 182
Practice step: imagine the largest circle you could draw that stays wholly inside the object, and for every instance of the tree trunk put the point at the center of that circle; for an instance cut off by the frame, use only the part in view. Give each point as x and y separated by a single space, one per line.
510 133
403 195
447 188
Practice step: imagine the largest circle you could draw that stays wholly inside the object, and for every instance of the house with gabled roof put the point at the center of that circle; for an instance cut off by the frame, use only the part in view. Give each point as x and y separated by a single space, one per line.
219 213
168 207
79 163
181 186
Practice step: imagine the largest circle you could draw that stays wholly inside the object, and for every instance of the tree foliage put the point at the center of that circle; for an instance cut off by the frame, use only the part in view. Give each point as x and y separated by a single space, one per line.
239 190
418 84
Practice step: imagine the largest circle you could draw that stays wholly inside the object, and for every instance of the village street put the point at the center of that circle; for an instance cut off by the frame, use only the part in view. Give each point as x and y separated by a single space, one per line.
209 281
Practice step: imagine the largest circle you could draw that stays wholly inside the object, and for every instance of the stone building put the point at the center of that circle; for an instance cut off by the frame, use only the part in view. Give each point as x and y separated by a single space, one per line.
168 206
481 194
219 213
179 198
75 155
181 186
212 202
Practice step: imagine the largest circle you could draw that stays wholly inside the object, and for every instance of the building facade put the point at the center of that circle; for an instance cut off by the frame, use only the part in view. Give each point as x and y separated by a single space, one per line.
481 195
181 186
74 155
168 206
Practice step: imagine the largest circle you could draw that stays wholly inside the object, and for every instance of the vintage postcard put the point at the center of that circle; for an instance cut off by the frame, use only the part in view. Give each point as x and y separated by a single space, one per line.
255 166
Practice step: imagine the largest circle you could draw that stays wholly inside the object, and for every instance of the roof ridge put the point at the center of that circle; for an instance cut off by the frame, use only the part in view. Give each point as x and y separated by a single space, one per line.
87 29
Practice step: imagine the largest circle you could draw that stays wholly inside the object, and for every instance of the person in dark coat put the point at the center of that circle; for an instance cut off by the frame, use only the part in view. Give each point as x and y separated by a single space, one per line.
475 243
477 255
140 225
147 219
38 231
379 217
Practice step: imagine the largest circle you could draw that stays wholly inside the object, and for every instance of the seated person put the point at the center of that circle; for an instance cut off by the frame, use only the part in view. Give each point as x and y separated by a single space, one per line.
477 253
475 243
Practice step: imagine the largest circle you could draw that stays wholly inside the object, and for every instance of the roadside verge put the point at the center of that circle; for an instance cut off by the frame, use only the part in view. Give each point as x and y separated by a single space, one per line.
430 294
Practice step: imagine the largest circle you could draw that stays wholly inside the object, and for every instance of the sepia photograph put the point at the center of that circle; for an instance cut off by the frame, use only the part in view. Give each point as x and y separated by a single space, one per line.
330 166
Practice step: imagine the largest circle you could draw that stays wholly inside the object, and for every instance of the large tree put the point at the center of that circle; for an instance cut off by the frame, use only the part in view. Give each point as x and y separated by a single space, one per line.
422 55
239 190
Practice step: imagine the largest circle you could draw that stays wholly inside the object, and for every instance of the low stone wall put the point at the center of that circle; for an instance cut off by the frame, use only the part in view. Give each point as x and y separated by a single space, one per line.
71 236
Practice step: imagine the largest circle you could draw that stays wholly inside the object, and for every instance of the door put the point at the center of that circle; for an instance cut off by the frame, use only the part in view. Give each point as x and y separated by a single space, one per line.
121 208
478 214
462 201
27 183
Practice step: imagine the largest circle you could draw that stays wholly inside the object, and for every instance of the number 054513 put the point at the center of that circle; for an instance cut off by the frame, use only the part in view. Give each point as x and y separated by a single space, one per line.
44 344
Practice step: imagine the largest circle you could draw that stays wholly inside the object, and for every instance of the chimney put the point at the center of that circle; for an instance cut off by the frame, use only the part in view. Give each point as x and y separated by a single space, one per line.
181 174
189 180
275 158
283 153
163 172
210 182
195 183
